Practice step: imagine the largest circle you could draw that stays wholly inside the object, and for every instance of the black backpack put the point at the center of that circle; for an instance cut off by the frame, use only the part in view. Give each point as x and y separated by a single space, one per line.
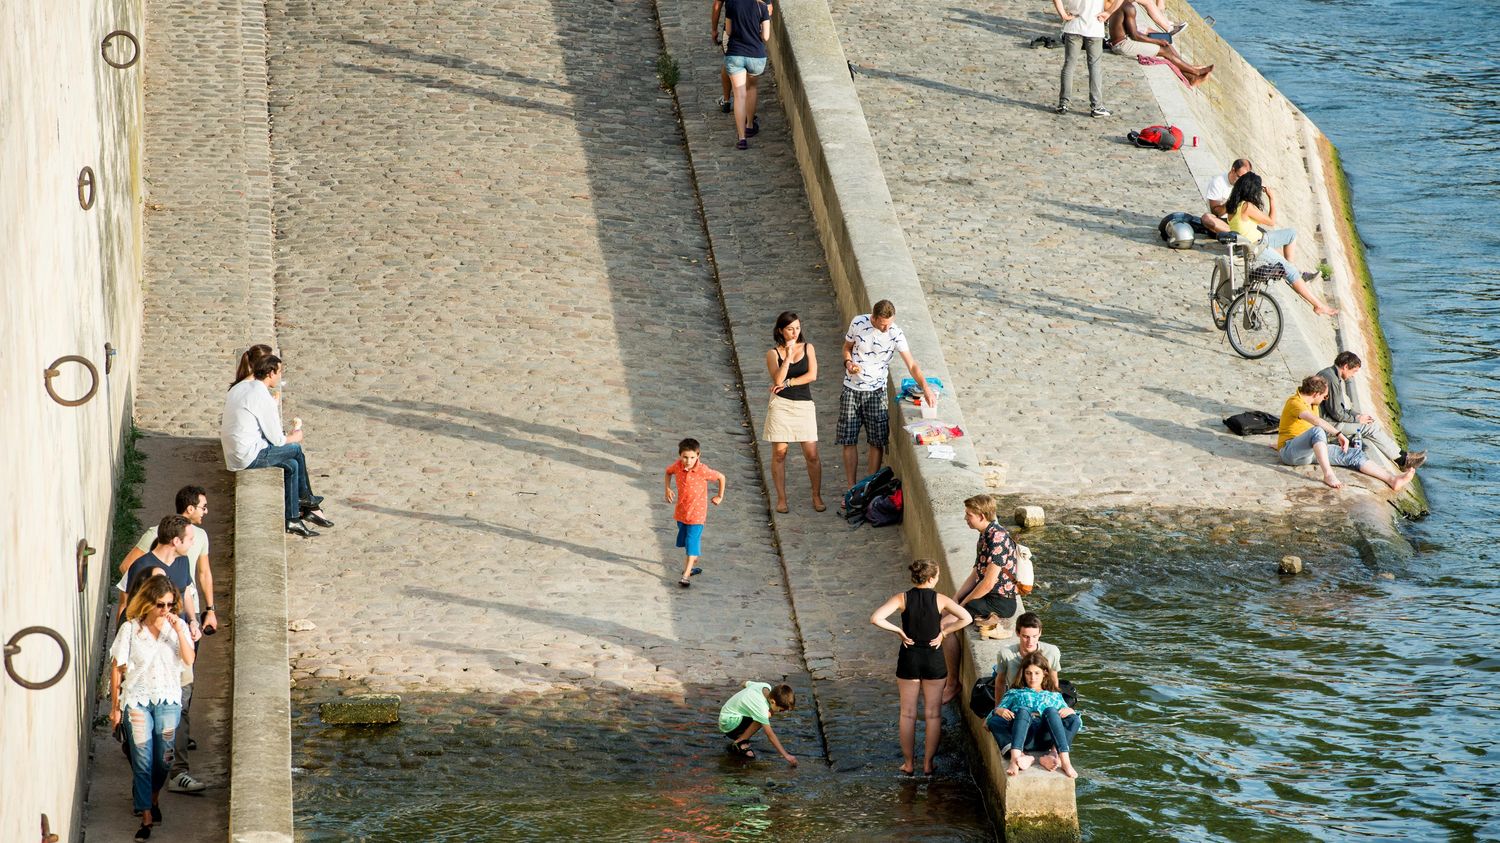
1252 423
857 499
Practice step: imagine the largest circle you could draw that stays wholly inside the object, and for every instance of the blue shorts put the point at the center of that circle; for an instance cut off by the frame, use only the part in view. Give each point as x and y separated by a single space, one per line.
744 64
690 538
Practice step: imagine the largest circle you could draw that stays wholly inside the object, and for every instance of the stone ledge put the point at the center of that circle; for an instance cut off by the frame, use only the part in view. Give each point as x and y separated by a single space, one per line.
869 260
260 789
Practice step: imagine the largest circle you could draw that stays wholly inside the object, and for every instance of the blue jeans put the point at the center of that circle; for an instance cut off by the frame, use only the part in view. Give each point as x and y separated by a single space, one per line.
151 734
1034 732
1299 450
293 465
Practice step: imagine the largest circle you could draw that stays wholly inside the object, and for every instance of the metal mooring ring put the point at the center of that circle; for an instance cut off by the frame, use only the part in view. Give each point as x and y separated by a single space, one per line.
53 372
86 191
12 648
84 552
135 49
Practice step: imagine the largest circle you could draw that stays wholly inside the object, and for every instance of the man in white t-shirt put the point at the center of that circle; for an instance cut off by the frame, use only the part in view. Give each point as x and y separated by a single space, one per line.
1083 26
869 344
252 438
1216 220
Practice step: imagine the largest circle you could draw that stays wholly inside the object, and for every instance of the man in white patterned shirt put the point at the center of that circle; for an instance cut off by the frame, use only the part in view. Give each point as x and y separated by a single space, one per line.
869 344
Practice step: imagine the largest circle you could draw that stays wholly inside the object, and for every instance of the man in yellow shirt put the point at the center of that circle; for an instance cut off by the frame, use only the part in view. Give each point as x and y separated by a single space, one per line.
1303 439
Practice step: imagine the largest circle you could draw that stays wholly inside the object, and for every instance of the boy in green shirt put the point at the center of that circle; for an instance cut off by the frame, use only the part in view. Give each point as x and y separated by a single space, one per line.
750 710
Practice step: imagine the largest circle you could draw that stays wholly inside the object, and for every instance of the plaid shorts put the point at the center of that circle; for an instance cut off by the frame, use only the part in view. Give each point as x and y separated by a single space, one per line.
869 409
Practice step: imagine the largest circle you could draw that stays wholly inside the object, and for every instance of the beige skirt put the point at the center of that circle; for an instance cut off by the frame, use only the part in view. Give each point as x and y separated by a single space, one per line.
791 421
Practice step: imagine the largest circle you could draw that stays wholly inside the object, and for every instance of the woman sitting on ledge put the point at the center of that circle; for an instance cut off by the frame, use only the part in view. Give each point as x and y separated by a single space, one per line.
1033 713
1250 206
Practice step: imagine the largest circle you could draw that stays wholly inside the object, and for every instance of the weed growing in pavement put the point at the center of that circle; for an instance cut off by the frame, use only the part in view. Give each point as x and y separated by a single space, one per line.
667 71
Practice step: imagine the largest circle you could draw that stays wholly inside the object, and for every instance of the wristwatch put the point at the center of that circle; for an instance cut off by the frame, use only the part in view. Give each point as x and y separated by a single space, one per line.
207 609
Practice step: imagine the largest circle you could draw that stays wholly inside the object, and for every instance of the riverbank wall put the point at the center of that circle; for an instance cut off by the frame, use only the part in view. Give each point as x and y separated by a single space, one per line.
70 221
1239 113
1236 114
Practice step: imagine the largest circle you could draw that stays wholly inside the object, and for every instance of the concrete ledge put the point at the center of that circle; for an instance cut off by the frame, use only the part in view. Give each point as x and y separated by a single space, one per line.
260 795
868 261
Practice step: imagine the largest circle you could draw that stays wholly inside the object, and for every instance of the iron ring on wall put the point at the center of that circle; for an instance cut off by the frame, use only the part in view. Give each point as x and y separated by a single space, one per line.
53 372
135 49
87 192
12 648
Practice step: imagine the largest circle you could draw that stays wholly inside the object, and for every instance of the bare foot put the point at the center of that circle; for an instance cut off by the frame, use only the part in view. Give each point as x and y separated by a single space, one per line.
1014 768
1067 770
1333 482
1049 761
927 771
1325 310
1399 483
905 769
1025 761
781 506
818 504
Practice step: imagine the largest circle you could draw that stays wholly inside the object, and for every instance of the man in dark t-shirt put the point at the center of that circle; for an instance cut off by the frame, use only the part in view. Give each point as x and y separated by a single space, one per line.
748 24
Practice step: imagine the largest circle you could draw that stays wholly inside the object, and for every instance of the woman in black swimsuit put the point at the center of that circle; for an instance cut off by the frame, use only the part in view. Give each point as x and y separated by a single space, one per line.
919 664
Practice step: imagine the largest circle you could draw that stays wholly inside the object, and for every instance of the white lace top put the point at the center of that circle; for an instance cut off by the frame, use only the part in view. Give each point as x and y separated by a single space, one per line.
153 666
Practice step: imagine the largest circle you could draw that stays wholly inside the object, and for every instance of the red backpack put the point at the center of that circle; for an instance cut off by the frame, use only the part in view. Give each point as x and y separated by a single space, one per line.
1157 137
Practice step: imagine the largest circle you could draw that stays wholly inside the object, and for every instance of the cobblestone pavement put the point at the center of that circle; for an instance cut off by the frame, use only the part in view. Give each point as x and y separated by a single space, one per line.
499 319
1090 363
769 260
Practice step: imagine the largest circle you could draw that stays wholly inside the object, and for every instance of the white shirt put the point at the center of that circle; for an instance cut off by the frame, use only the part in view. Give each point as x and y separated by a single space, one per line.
251 422
1218 189
153 666
1087 22
872 353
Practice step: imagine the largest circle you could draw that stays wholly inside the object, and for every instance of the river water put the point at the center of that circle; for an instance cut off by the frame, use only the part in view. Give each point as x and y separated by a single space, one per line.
1356 702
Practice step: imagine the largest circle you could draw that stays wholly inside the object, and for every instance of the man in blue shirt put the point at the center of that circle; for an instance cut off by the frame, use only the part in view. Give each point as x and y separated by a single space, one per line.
747 23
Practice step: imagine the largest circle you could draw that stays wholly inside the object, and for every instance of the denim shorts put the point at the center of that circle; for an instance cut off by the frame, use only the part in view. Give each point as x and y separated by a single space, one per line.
690 538
744 64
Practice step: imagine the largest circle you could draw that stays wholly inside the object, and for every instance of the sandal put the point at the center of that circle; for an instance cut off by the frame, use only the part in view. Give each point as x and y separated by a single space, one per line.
741 748
685 582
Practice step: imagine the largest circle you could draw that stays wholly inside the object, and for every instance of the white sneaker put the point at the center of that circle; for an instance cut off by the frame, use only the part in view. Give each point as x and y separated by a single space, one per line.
184 783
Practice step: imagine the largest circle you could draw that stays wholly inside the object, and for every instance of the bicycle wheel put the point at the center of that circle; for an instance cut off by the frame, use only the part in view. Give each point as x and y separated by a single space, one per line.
1221 292
1254 324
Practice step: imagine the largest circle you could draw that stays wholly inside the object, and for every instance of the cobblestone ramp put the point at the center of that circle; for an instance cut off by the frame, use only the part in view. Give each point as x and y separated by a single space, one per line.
1085 344
499 319
769 260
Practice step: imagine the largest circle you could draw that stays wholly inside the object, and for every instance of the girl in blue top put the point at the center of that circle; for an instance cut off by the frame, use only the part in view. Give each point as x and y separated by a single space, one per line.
1034 708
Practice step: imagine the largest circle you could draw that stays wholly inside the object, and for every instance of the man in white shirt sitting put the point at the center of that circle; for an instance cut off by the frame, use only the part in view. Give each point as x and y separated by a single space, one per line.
252 437
1216 220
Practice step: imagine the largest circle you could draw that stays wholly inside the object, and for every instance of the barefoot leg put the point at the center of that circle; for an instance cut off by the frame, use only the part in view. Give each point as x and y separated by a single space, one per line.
908 691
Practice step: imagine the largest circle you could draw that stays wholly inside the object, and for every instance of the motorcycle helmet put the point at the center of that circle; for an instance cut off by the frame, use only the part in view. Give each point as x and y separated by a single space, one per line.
1177 230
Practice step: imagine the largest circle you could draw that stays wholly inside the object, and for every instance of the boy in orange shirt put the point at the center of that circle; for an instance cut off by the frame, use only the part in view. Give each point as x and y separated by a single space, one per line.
693 477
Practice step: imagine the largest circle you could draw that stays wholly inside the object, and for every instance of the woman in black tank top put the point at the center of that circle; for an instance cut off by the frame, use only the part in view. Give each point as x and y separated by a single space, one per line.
791 417
920 668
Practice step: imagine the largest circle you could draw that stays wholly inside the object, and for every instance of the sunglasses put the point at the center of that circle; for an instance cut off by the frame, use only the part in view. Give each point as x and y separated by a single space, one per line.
170 604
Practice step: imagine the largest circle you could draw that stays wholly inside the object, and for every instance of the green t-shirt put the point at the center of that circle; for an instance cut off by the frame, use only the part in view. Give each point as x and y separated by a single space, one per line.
750 702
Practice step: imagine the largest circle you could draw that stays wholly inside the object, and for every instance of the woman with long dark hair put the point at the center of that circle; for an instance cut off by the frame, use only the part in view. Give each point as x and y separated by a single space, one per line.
791 417
1250 206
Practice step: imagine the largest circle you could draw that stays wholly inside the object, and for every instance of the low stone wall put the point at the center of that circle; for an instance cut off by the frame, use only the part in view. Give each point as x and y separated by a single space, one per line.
869 261
260 795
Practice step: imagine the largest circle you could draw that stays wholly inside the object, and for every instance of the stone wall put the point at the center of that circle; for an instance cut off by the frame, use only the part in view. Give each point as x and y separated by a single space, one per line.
72 283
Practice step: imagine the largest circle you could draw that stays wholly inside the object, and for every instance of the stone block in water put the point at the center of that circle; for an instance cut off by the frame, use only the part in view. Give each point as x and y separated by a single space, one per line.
362 708
1290 565
1030 516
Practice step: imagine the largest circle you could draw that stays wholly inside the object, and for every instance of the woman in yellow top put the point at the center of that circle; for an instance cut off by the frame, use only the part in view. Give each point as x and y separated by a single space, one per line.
1303 439
1251 205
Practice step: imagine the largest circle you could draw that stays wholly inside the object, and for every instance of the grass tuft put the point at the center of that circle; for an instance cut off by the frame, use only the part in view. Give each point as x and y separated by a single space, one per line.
667 71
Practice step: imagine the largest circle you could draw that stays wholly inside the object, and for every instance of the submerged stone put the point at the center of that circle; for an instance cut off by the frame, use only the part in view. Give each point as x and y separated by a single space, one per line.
362 708
1290 565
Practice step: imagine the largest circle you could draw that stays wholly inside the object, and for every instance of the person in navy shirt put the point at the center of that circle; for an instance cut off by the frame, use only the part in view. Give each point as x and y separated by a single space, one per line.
747 24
